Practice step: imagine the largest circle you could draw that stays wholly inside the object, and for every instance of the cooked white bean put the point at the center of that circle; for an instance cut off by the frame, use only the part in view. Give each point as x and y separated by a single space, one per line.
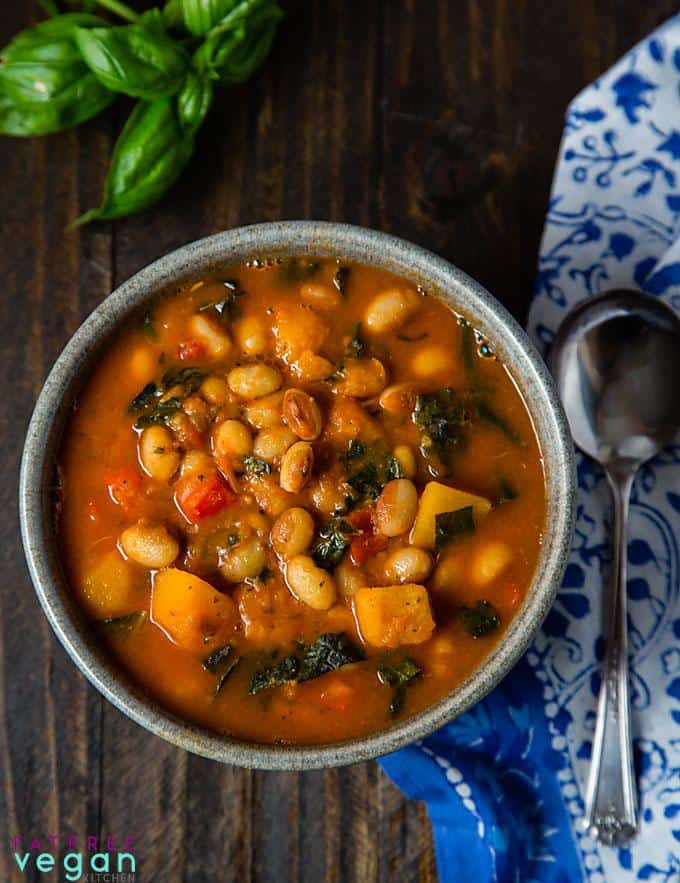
489 562
215 339
302 414
293 531
311 367
265 412
245 560
321 296
215 390
251 335
399 398
349 577
195 462
395 510
253 381
328 494
296 467
157 454
310 583
232 439
149 544
271 444
362 378
390 309
408 565
434 360
406 459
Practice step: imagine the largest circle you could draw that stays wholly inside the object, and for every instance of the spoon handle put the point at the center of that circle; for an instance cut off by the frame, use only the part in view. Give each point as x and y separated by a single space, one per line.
611 798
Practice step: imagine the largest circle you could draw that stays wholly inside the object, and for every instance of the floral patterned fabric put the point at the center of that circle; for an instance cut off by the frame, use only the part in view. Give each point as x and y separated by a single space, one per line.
505 782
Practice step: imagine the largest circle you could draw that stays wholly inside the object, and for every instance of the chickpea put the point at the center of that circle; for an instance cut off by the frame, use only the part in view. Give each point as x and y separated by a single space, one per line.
254 381
215 339
215 390
311 367
292 532
251 336
232 439
489 561
157 453
296 467
390 309
302 414
395 510
321 296
431 361
309 583
406 459
398 399
149 544
362 378
271 444
408 565
245 560
349 577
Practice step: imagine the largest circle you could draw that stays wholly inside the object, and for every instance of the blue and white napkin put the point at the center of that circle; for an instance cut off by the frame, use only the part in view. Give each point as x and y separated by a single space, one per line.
504 783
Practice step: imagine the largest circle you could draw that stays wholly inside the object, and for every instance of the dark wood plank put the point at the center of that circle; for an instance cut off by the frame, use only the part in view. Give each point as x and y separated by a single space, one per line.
438 122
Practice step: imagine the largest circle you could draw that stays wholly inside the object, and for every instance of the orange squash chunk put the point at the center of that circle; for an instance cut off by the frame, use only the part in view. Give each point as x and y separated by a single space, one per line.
389 616
190 611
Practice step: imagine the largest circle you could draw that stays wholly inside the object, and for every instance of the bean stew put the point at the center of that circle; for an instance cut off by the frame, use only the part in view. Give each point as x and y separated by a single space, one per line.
300 500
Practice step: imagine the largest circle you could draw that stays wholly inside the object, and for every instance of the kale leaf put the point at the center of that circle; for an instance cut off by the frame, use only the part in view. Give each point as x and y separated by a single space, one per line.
441 418
327 653
154 405
332 543
451 526
255 466
228 307
283 672
480 620
355 346
340 279
398 675
212 663
126 624
369 469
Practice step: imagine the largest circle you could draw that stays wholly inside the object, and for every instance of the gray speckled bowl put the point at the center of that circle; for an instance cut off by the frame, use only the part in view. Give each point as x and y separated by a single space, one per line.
281 240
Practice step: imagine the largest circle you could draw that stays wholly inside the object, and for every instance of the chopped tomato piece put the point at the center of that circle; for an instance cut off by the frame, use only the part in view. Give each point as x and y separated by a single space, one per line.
190 350
368 542
200 496
124 486
365 546
338 696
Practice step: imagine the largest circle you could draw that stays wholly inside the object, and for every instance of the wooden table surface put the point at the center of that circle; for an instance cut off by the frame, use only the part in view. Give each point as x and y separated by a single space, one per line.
437 120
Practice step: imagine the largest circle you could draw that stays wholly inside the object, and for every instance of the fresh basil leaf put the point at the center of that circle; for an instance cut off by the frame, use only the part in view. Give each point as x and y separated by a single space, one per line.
193 101
235 48
481 620
149 156
451 526
200 16
44 85
139 60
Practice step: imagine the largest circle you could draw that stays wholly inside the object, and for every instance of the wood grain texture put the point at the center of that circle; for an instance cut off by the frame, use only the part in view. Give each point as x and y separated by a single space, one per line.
437 121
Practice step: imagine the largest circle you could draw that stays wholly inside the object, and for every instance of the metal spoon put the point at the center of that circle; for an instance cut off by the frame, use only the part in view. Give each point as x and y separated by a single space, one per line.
616 360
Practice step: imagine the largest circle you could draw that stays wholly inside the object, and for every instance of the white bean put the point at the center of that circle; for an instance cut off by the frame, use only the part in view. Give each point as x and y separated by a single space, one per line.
253 381
265 412
157 454
310 583
293 531
215 339
362 378
296 467
489 561
245 560
251 335
149 544
302 414
390 309
395 510
232 439
271 444
349 577
408 565
406 459
311 367
321 296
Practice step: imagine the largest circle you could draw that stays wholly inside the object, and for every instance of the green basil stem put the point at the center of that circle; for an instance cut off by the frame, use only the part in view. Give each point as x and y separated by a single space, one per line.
119 9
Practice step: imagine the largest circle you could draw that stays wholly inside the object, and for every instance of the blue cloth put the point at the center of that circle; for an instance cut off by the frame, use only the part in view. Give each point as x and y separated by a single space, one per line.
504 783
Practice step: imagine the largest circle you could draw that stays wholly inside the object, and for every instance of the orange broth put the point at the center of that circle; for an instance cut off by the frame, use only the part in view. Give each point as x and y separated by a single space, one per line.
275 314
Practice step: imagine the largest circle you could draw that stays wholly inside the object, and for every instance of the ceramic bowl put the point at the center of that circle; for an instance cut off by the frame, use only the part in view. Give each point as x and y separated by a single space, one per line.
189 263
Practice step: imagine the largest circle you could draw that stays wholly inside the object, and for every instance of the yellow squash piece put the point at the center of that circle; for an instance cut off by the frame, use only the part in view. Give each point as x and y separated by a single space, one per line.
107 587
437 498
389 616
190 611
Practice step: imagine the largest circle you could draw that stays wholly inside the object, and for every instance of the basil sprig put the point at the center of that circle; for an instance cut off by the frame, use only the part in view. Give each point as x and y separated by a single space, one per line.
72 66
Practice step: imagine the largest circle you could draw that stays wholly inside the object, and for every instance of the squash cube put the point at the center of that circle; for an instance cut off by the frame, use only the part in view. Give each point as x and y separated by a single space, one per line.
437 498
389 616
107 588
190 611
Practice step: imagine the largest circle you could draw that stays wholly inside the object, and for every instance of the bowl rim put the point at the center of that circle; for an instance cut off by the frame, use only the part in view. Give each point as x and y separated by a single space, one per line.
292 238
